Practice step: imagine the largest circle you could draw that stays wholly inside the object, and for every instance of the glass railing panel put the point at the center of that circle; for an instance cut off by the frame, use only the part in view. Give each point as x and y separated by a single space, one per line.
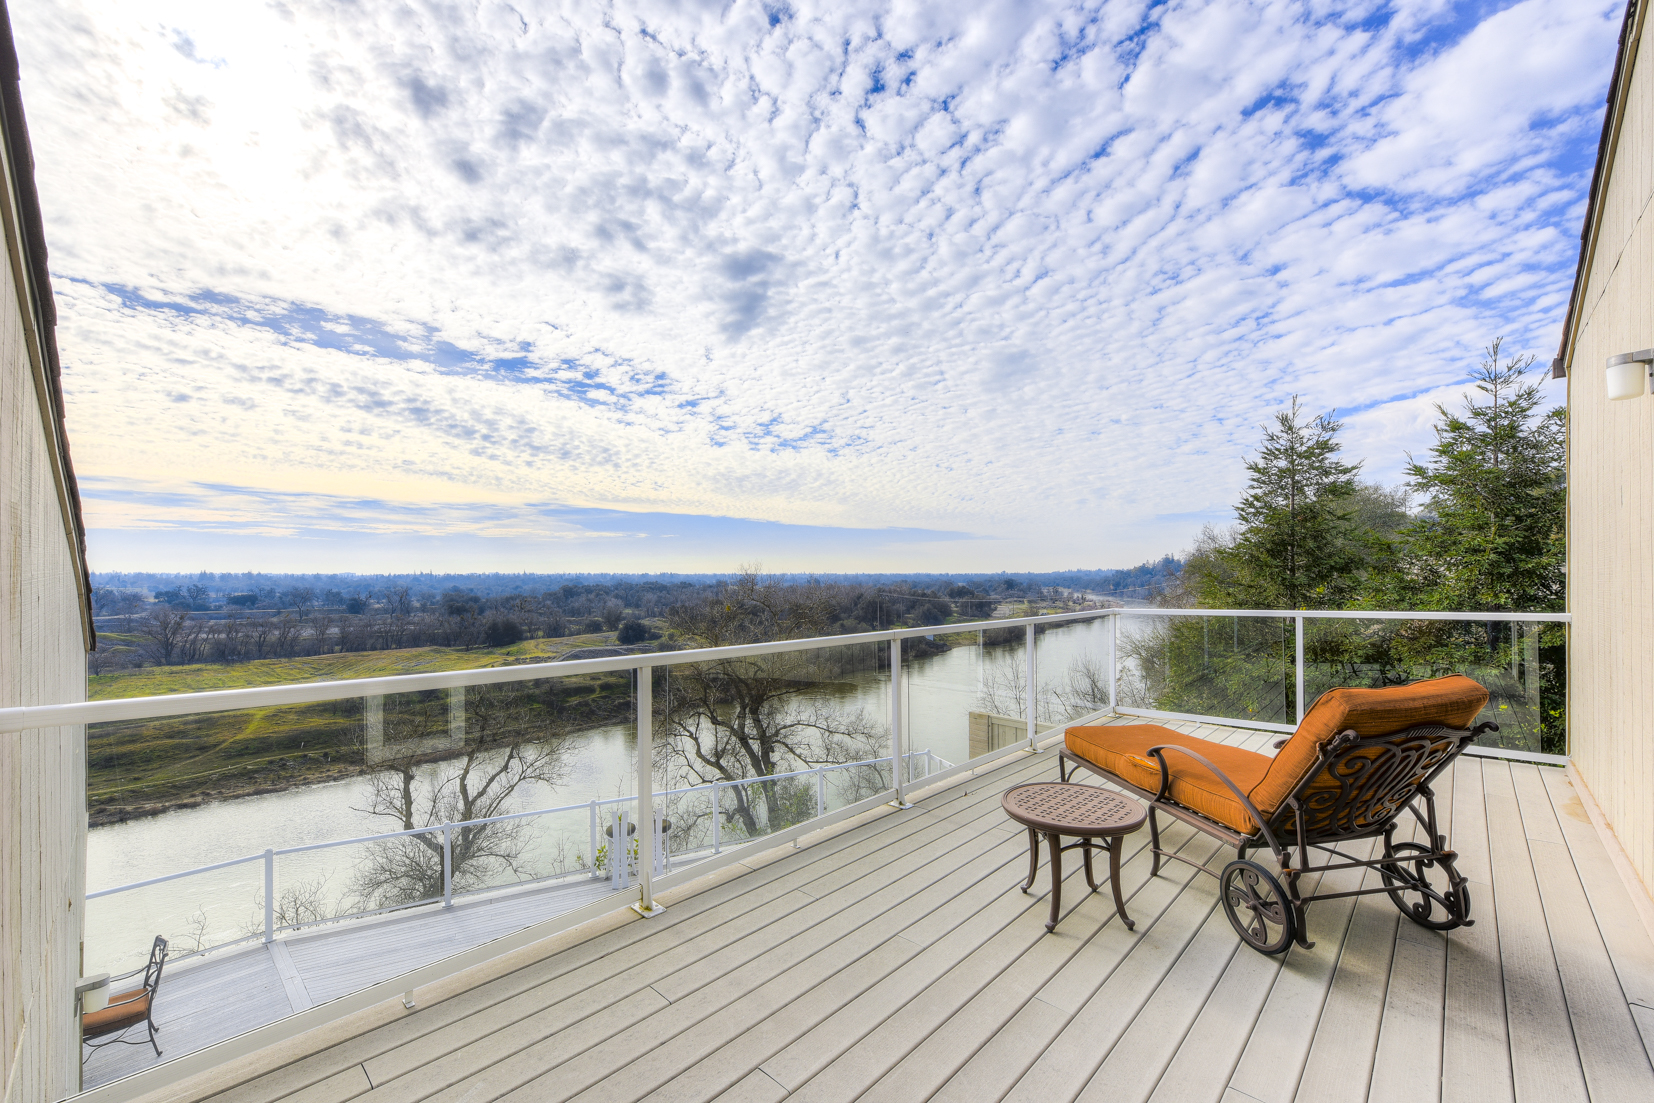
1226 667
353 879
750 746
200 912
1072 668
327 786
964 694
1523 665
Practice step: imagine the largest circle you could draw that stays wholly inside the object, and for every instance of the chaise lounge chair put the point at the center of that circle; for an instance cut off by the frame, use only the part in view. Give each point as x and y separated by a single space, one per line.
1359 758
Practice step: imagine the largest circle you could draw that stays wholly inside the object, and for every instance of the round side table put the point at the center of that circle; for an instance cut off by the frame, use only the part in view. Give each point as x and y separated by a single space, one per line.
1084 812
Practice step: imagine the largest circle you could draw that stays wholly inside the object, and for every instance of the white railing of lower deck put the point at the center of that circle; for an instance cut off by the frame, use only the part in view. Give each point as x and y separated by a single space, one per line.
620 873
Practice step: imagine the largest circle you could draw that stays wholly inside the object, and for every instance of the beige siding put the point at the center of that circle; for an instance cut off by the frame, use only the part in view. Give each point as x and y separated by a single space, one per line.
42 773
1611 495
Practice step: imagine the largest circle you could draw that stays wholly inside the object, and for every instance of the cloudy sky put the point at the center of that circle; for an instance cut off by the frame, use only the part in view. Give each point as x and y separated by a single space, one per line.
837 286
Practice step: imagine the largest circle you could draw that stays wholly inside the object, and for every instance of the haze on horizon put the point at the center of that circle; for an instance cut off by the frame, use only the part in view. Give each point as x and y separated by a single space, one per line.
839 287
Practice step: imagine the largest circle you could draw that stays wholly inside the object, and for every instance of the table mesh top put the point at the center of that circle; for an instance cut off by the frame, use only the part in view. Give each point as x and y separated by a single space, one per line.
1080 808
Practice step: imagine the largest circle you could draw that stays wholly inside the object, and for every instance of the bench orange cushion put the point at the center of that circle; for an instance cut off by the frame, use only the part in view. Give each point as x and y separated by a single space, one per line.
1122 750
124 1010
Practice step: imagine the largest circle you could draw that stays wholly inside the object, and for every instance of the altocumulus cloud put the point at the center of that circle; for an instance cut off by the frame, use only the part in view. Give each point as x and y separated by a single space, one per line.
998 284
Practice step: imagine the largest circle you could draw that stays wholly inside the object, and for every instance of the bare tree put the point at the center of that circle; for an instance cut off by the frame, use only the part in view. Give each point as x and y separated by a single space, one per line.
166 633
1083 689
509 743
752 717
300 599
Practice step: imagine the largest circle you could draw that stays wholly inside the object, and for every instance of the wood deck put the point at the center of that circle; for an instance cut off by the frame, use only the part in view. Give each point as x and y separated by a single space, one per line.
269 982
896 960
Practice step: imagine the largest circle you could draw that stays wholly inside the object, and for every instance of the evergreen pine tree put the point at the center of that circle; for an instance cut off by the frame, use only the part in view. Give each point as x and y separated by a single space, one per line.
1492 535
1298 545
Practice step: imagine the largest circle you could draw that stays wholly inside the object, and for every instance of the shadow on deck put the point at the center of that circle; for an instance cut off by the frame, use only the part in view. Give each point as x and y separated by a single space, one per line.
892 958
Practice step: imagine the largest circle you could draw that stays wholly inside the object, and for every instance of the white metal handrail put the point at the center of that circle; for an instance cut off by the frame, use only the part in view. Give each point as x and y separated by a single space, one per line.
27 717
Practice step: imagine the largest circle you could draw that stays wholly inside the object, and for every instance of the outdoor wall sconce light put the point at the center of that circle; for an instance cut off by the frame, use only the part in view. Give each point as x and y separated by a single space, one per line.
1628 374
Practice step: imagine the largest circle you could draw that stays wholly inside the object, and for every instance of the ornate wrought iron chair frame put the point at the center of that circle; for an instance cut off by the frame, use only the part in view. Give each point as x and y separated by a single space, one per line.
1376 778
151 987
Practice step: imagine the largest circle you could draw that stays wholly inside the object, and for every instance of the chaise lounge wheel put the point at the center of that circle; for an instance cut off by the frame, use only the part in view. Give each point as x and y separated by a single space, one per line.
1257 906
1407 873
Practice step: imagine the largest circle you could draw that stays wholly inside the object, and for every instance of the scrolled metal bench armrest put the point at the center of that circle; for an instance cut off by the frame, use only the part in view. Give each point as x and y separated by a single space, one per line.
1158 752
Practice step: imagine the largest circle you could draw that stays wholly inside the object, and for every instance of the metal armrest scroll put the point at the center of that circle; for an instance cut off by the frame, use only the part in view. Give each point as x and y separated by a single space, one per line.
1166 781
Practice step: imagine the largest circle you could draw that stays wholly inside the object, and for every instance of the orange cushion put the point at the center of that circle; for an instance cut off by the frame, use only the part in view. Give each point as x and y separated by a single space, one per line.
119 1015
1122 750
1452 701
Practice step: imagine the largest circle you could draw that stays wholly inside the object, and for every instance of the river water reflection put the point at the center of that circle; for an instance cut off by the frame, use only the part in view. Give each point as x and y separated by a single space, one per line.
939 693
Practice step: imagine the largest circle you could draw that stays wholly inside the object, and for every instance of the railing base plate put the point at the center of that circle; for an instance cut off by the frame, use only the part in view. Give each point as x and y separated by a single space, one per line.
650 912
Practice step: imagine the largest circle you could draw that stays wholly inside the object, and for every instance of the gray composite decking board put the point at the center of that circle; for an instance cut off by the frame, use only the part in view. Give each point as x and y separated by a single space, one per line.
201 1006
773 1026
815 974
1273 1060
192 1009
1339 1065
769 1034
937 981
1101 1008
1475 1054
1215 1041
838 1039
978 1021
1544 1053
1136 1062
1205 1059
881 859
729 902
911 1023
1406 1060
1628 942
807 1009
1604 1031
738 962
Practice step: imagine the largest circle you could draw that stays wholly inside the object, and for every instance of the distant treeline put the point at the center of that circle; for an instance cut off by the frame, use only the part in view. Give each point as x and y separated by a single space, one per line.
180 619
215 588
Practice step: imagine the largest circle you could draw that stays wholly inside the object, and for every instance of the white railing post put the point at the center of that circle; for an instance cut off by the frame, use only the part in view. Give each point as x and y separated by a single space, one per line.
1033 736
619 848
1114 663
821 793
896 723
717 821
593 851
373 729
456 717
269 894
647 825
1298 664
447 865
